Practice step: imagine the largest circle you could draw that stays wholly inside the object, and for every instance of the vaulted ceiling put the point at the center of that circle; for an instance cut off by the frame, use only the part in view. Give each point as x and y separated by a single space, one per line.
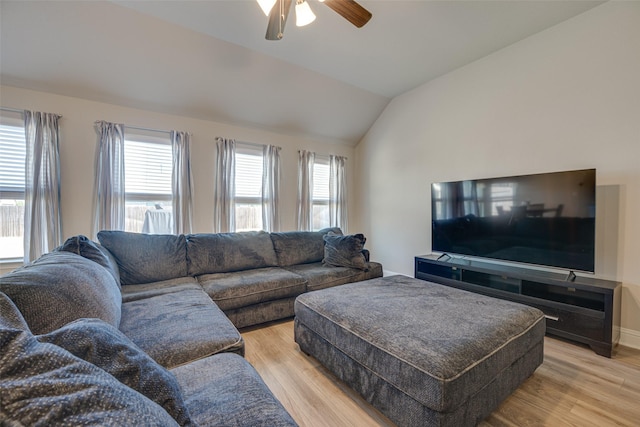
210 60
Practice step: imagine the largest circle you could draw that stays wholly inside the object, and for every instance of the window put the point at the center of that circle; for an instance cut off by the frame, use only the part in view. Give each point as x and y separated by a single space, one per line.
320 204
12 184
248 184
148 197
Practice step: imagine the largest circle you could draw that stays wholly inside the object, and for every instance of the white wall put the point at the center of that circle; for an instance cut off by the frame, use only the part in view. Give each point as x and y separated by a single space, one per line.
78 144
566 98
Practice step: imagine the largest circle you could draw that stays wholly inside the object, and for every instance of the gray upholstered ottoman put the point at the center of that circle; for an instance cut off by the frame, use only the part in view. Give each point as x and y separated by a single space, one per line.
423 354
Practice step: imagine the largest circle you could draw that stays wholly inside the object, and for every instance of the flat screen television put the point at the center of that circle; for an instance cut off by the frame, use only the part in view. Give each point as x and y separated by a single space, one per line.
545 219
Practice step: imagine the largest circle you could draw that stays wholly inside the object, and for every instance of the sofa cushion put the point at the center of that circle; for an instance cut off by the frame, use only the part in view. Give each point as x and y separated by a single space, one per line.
60 287
300 247
240 289
225 252
43 384
179 327
243 317
319 276
344 251
149 290
83 246
225 390
145 258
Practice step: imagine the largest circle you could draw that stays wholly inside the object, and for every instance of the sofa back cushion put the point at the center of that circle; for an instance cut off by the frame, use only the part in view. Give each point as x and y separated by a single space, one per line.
226 252
146 258
300 247
60 287
83 246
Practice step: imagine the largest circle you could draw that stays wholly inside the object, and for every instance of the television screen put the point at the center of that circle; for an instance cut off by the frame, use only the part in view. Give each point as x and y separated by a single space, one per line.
545 219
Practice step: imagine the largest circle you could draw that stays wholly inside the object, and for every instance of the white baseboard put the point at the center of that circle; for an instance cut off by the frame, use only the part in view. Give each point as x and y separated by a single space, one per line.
630 338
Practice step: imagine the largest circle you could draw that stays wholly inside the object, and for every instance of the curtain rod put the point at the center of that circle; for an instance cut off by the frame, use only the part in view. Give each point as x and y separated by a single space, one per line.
252 144
255 144
142 128
322 155
147 129
16 110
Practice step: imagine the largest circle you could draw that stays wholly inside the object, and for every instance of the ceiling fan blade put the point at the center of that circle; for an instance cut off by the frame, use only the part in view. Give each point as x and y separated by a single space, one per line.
277 19
351 11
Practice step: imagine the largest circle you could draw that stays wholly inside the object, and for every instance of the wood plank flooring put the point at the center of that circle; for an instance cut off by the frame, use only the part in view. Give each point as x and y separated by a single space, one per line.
573 387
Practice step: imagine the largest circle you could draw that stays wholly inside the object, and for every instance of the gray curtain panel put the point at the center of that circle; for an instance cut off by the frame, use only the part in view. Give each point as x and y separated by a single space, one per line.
224 205
305 190
109 191
338 192
181 182
42 220
271 188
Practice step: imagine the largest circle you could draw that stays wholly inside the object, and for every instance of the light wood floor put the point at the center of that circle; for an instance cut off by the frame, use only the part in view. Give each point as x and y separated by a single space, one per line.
573 387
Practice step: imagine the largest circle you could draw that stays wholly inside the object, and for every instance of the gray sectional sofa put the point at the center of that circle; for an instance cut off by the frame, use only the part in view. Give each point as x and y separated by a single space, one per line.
143 329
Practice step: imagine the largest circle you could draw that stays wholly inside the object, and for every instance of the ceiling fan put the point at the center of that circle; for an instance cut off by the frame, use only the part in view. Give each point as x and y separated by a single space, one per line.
278 11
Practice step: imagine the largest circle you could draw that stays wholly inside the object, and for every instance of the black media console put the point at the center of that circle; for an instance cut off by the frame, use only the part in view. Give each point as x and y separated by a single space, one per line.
582 309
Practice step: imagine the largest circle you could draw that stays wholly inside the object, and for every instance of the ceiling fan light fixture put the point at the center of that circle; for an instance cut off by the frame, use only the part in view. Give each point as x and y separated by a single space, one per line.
348 9
266 6
304 14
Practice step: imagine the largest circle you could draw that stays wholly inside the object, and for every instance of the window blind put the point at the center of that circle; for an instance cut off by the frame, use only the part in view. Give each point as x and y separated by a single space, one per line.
248 175
248 187
320 182
12 153
148 167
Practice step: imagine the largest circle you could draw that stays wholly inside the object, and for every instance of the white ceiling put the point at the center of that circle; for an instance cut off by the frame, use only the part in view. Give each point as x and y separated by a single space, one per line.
209 59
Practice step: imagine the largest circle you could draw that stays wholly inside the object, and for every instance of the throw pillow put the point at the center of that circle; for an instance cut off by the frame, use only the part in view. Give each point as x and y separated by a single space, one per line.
43 384
83 246
109 349
345 251
300 247
60 287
